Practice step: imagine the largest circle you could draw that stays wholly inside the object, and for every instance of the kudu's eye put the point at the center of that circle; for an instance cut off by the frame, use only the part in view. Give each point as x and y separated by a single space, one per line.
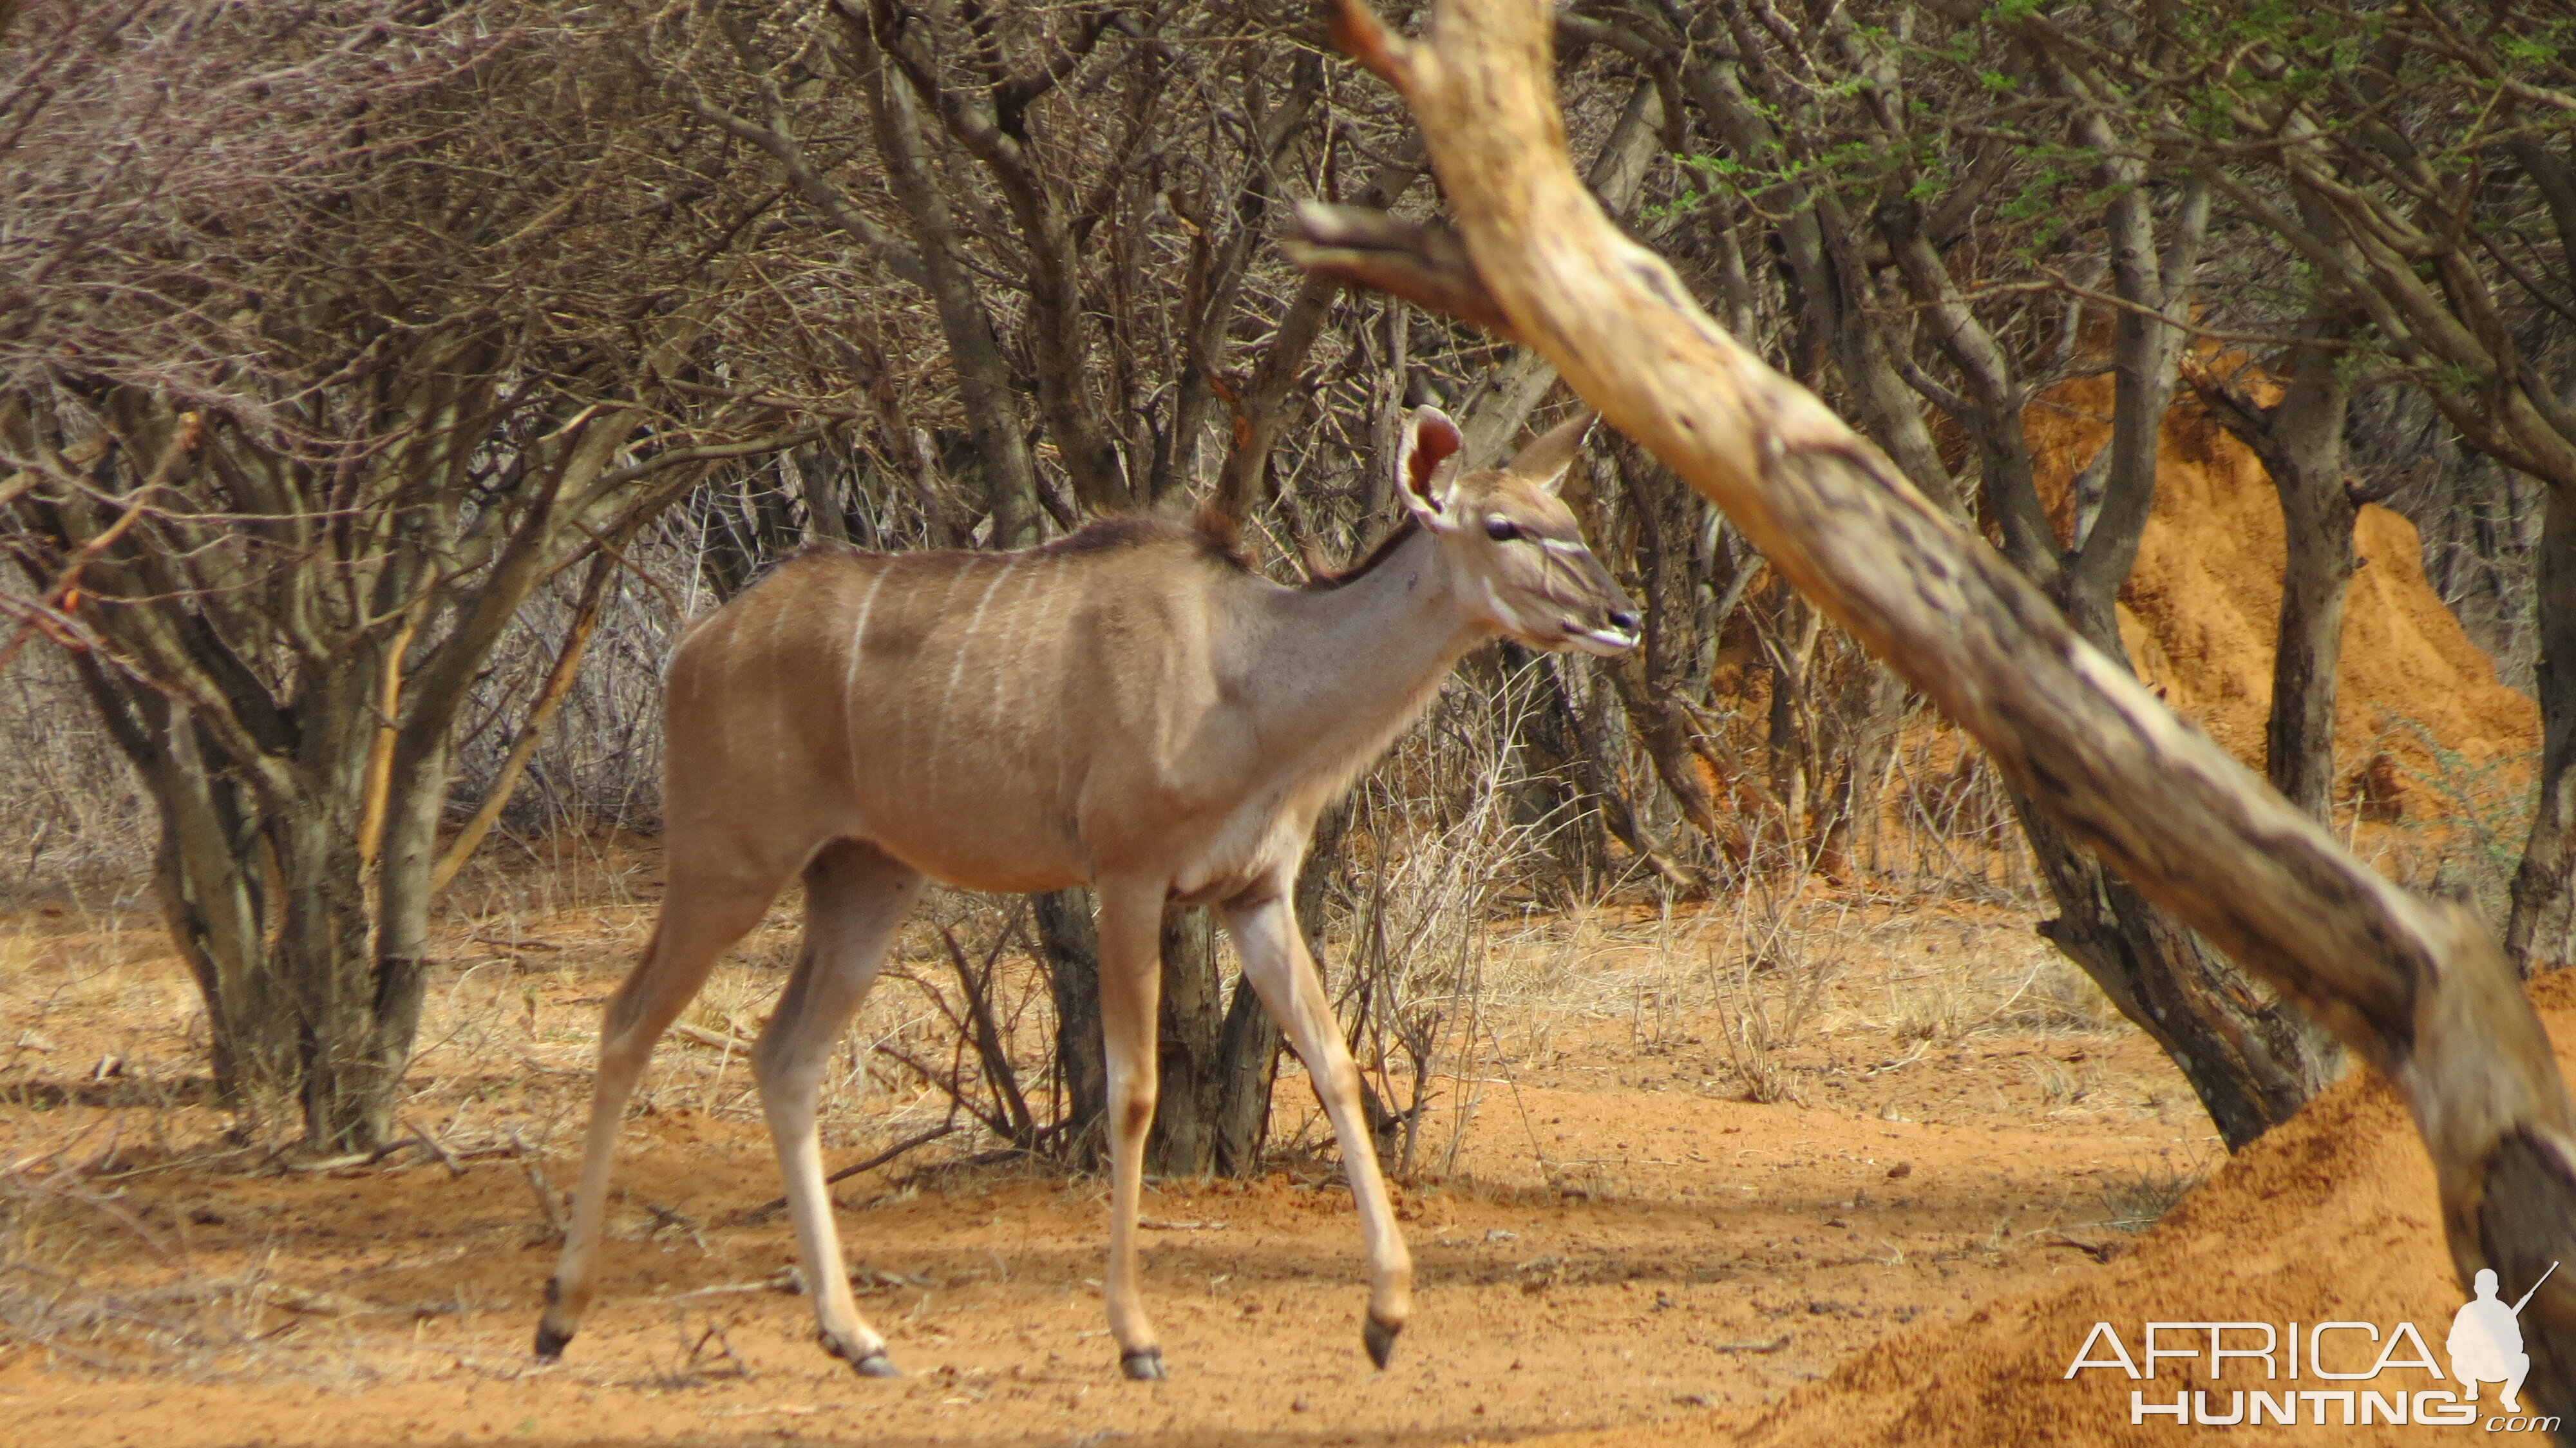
1502 530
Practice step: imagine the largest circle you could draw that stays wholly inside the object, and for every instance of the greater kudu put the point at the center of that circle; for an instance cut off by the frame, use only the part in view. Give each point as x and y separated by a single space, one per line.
1130 708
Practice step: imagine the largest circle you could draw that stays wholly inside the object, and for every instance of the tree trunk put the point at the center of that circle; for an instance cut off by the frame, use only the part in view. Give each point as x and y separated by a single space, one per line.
2250 1059
213 892
2298 739
356 1023
2549 854
1247 1070
1217 1059
407 881
2300 442
1183 1142
1071 942
267 902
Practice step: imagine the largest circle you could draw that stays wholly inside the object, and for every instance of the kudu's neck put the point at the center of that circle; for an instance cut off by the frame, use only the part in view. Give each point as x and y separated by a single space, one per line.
1344 668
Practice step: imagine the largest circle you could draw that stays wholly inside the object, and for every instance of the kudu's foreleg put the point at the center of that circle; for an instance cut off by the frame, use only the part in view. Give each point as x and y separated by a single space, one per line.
1131 990
1276 964
699 919
855 897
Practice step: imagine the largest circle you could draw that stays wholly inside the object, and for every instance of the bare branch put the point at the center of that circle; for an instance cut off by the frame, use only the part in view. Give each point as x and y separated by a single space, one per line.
2418 988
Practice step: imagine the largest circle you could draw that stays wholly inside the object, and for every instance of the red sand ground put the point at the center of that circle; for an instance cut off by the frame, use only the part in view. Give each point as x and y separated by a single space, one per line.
2330 1217
1622 1240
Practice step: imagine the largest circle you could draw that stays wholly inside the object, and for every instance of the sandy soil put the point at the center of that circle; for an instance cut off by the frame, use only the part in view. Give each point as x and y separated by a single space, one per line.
2330 1217
1621 1239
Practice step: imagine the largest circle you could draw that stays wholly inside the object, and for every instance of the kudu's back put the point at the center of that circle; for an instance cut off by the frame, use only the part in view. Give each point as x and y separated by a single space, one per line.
994 720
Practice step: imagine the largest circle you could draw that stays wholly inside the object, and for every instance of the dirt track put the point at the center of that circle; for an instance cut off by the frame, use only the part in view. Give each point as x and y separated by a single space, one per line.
1621 1242
1783 1275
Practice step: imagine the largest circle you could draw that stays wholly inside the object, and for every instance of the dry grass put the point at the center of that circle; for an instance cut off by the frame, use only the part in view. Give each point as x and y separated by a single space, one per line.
2135 1200
102 1062
1792 981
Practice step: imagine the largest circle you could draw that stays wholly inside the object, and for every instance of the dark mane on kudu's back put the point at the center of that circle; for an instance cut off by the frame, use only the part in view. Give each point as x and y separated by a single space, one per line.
1385 549
1213 534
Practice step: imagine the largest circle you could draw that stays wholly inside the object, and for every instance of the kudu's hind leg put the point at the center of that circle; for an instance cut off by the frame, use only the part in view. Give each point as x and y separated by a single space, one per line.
855 896
1277 966
704 911
1131 992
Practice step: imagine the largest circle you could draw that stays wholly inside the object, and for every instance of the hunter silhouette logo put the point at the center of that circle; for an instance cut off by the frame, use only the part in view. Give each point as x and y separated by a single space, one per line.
2486 1341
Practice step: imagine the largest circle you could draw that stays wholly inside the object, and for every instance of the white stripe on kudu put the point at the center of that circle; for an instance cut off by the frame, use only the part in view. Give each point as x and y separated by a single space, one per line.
965 646
1053 658
778 666
907 749
1263 703
998 726
850 672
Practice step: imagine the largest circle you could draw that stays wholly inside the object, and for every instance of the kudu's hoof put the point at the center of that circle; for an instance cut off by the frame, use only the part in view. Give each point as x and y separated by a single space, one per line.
1144 1367
866 1362
1380 1337
550 1343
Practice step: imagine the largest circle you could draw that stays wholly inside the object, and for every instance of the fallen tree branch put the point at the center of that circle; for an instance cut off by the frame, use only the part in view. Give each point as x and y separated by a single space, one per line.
716 1040
779 1204
2416 987
549 1202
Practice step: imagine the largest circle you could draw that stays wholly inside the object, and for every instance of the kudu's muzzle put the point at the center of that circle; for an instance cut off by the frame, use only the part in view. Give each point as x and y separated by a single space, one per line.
1596 615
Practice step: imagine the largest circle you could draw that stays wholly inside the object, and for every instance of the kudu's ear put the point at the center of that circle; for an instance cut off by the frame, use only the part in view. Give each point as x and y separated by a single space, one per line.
1549 455
1426 463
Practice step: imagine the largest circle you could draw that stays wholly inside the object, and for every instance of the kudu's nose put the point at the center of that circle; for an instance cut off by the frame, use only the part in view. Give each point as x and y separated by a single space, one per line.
1615 634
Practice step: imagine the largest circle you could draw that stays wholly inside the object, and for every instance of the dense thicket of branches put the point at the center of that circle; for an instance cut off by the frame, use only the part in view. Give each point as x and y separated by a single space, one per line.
332 334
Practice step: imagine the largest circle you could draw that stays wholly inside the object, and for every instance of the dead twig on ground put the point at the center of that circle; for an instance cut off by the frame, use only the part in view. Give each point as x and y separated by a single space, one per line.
716 1039
776 1205
548 1202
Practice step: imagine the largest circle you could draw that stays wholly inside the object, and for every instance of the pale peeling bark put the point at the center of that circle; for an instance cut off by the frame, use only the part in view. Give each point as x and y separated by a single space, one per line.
2415 986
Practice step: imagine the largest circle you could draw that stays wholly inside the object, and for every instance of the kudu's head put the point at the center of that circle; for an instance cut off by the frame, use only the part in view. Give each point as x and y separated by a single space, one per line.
1519 559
